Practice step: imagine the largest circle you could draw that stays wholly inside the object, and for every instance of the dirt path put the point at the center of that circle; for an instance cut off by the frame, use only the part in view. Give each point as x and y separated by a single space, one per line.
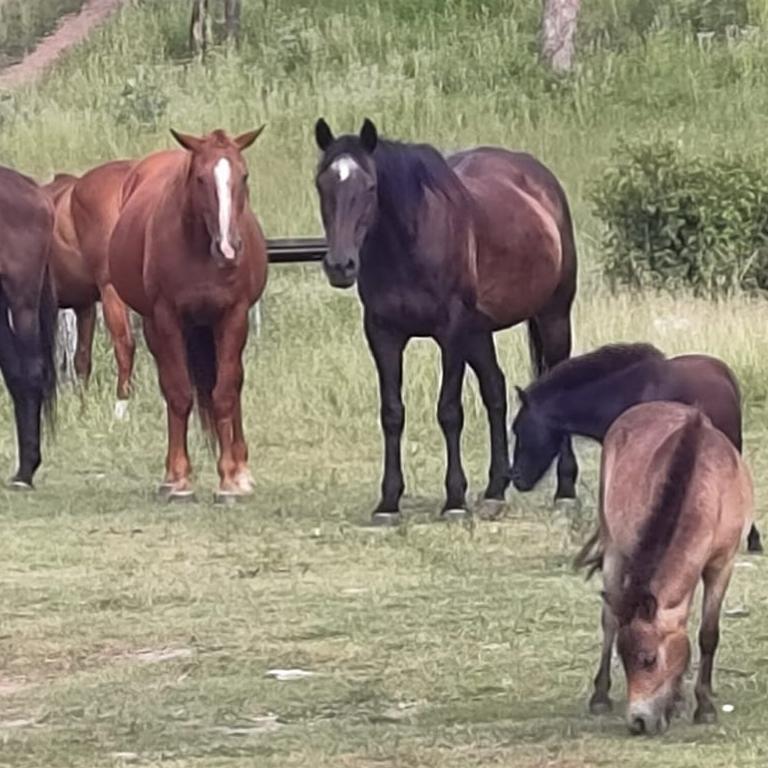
72 29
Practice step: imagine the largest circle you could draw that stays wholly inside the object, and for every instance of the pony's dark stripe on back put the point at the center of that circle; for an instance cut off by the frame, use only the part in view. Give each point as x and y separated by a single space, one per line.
659 528
404 172
573 373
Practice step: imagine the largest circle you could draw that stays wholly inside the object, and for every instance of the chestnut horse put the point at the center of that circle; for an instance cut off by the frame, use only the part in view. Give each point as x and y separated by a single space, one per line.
675 499
86 211
453 249
586 394
28 313
189 256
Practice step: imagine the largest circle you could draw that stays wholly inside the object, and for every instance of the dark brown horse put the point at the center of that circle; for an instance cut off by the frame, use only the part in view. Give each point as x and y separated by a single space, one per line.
188 254
586 394
675 499
28 312
86 211
454 249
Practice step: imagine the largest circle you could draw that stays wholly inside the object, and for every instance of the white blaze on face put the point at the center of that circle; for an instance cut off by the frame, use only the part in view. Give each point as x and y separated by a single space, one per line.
222 173
344 166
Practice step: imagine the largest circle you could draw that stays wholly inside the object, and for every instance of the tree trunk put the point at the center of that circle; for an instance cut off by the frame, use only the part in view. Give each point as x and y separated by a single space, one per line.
199 28
558 32
232 12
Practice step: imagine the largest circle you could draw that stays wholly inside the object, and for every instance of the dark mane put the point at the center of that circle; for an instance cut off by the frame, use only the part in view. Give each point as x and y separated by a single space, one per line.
576 371
659 528
404 172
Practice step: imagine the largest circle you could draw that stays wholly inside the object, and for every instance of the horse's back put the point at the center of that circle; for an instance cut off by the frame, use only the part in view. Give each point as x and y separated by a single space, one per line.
638 460
708 383
523 257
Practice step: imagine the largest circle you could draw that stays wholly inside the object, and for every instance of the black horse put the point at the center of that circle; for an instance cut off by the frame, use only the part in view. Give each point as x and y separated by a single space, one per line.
586 394
28 312
453 249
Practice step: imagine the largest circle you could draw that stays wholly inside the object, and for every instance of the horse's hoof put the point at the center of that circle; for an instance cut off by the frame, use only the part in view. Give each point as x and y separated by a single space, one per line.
491 509
228 498
181 497
705 715
600 705
454 515
20 485
386 519
121 410
164 490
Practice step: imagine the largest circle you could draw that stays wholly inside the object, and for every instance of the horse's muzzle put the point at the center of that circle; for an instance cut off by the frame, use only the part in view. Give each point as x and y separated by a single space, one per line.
341 274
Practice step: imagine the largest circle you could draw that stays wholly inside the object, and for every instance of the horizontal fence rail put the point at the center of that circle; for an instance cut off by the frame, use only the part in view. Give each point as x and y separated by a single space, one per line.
296 250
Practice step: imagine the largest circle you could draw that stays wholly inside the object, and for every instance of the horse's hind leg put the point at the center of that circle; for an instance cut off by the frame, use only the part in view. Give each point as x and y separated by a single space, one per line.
715 583
481 356
21 360
118 323
86 323
754 544
550 339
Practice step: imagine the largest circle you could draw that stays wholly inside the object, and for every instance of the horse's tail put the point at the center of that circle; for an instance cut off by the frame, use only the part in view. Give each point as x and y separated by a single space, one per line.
49 314
590 555
201 364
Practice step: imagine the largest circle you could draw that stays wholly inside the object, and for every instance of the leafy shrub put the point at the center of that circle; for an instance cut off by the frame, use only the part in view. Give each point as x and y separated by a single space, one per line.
675 220
141 103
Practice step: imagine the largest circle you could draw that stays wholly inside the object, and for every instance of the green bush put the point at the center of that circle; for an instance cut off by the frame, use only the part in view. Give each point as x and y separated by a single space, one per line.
675 220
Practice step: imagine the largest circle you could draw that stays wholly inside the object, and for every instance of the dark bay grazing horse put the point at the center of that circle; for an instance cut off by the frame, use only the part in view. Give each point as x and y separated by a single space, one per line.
453 249
675 499
586 394
28 312
188 255
86 211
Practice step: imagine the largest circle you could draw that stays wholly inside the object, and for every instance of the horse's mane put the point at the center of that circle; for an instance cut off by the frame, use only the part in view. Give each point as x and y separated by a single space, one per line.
404 172
576 371
659 528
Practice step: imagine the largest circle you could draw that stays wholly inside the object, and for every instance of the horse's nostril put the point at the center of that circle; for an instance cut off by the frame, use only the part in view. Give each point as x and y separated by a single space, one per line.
637 725
350 265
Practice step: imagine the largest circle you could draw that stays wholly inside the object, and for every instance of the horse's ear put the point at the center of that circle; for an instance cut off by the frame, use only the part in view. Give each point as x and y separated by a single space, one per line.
323 134
244 140
521 396
646 607
369 136
192 143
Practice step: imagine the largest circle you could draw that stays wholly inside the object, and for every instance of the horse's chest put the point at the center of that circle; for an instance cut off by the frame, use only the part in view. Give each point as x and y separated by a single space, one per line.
410 308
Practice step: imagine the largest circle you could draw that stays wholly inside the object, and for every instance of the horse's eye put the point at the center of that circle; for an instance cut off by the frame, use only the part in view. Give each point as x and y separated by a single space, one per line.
200 179
647 660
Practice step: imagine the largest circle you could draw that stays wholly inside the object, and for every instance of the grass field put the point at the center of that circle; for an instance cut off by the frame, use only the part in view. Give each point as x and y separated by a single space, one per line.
133 633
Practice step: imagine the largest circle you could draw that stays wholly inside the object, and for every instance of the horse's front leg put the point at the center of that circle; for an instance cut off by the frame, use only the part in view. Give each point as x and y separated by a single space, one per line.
715 584
166 343
231 333
387 348
450 415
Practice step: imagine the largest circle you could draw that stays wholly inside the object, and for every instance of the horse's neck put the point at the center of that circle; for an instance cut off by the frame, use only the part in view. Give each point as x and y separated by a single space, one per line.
595 405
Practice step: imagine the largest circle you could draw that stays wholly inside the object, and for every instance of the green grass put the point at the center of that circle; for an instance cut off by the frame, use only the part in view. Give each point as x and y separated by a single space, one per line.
139 634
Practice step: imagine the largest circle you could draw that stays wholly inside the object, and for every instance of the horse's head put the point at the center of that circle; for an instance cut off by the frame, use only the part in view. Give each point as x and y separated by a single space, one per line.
655 653
218 187
537 443
346 183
